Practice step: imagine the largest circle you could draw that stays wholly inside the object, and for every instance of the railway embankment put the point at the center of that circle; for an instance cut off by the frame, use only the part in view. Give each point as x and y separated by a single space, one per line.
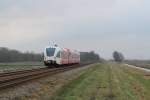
107 81
41 89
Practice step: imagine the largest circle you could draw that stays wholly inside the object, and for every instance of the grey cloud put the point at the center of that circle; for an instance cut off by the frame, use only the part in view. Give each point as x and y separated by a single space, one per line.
100 25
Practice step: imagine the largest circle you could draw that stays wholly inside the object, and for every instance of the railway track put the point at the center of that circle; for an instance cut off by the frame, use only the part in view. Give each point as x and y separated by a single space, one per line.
11 79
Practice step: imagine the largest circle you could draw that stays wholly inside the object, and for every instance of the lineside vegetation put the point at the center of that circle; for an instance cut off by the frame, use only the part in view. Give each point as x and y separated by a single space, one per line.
9 55
107 82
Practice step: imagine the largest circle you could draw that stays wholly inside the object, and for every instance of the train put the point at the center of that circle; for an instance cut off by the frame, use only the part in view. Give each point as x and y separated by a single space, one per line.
57 56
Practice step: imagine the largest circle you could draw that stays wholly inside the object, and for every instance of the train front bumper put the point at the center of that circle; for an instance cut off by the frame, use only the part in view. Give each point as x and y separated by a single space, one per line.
50 62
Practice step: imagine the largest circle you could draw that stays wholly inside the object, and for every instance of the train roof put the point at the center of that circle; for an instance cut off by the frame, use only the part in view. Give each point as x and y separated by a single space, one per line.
65 49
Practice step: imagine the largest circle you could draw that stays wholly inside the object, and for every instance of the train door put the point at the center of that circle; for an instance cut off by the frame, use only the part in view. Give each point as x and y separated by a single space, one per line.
58 58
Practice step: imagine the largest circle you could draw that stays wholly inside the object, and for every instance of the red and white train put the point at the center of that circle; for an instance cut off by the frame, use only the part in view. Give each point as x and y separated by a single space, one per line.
60 56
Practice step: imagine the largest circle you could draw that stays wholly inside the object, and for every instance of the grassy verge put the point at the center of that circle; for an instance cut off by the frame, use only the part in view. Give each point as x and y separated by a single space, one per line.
107 82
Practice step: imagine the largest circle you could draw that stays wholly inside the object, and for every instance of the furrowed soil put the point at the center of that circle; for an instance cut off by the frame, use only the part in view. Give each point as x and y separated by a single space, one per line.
109 81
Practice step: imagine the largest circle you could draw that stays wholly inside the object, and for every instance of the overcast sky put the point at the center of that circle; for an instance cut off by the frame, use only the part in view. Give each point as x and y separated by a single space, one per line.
85 25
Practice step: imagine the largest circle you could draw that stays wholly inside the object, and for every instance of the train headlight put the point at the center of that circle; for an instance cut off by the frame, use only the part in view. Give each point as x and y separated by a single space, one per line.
49 61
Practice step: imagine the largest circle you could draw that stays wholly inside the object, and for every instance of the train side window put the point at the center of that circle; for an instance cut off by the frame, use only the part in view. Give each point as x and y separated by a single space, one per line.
58 54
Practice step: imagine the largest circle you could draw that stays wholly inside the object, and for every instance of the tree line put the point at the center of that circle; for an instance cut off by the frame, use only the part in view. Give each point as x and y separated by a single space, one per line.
89 57
9 55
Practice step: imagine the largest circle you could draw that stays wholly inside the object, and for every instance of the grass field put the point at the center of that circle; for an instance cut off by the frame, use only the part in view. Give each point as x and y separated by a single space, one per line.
139 63
4 67
107 82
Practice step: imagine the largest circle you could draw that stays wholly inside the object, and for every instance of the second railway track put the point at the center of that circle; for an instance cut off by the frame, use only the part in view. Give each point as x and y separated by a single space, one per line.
14 78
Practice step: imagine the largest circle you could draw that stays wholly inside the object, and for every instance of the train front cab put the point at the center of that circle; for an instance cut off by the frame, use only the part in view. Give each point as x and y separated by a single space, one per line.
52 56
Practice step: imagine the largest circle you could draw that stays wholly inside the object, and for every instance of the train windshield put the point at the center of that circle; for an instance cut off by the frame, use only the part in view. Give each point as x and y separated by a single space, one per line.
50 51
